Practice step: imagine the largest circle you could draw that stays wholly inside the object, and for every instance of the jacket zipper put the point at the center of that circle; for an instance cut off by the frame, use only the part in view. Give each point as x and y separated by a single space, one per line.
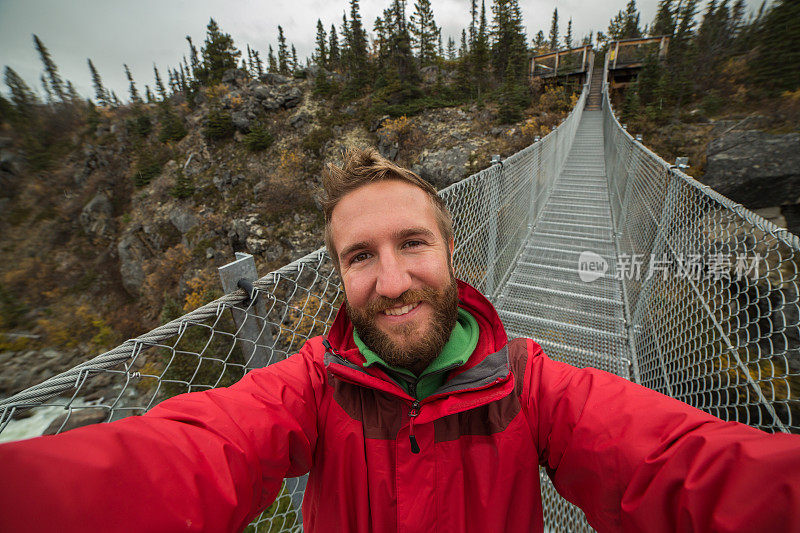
412 414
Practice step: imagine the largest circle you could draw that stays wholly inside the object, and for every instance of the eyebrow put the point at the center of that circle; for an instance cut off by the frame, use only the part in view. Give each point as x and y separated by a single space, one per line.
398 235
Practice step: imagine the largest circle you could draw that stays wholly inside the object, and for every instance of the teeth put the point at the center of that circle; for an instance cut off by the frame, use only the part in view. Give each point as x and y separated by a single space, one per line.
397 311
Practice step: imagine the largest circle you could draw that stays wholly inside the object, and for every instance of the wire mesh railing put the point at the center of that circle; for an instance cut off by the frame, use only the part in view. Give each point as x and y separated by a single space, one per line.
712 290
493 211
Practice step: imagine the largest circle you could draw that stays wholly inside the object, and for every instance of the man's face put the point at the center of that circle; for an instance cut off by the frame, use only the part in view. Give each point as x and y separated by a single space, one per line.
401 293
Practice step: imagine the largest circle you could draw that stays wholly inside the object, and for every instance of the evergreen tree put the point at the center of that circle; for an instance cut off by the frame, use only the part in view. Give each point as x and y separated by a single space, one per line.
480 55
451 49
554 31
134 94
56 83
540 44
630 25
334 57
664 23
195 60
321 52
473 23
272 64
148 94
115 102
283 53
22 96
508 40
424 32
463 50
295 65
100 92
259 64
776 62
48 91
162 92
381 39
568 36
219 54
74 97
398 72
355 58
250 66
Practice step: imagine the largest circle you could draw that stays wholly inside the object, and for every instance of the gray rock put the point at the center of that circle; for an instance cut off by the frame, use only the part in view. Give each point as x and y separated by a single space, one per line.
182 219
95 217
132 254
241 121
274 79
754 168
225 181
444 167
239 230
235 76
300 120
78 417
429 74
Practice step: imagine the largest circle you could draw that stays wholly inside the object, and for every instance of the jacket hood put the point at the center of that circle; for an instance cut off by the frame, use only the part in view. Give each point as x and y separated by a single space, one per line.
492 334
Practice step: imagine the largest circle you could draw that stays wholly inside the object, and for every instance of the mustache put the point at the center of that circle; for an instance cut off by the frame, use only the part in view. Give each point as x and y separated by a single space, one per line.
382 303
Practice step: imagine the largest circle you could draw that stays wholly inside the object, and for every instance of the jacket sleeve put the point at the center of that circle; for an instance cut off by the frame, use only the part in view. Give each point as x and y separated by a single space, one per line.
204 461
635 460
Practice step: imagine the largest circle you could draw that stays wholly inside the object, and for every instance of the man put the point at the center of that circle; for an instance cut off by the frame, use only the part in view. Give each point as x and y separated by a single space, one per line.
413 414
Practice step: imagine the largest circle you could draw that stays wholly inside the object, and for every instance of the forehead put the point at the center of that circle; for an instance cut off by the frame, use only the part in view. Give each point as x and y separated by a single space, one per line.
377 208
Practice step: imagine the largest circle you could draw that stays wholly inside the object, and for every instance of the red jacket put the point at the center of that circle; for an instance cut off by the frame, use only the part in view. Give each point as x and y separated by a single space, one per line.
631 458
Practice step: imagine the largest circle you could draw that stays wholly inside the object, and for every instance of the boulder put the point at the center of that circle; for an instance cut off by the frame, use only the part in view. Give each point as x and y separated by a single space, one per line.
78 417
754 168
95 217
235 76
274 79
300 120
444 167
241 121
132 254
182 219
225 181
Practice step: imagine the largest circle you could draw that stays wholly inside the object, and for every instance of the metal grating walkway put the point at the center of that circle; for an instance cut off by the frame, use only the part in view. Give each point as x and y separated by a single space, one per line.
581 323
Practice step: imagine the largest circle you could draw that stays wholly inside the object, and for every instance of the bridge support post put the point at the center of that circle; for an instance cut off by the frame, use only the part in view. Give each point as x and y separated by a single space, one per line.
251 318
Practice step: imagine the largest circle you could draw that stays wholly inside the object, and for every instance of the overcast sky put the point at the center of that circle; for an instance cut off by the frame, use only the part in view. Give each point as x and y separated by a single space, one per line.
142 32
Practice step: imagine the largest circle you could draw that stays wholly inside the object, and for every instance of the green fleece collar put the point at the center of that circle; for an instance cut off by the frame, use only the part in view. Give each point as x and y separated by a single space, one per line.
459 348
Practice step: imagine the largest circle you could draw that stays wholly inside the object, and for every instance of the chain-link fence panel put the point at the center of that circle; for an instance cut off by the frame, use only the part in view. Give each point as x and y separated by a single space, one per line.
714 306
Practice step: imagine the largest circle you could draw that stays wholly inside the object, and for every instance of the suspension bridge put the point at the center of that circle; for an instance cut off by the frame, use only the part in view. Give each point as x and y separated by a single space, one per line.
585 241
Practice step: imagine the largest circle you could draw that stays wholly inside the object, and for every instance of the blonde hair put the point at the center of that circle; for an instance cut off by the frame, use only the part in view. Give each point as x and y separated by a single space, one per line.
362 167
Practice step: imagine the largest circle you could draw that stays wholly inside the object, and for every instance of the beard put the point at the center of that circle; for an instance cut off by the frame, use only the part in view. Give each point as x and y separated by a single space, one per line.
416 351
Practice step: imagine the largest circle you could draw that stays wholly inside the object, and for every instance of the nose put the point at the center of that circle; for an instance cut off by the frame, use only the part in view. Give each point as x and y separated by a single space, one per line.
393 277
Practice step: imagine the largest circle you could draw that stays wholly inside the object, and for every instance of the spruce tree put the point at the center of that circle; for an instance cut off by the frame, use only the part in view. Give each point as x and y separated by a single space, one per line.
508 39
355 58
540 44
776 62
473 23
480 55
134 94
334 56
568 36
451 49
272 64
100 92
554 31
664 23
74 97
193 55
219 54
148 94
295 63
22 96
56 83
48 90
424 32
259 64
321 52
283 53
162 92
630 26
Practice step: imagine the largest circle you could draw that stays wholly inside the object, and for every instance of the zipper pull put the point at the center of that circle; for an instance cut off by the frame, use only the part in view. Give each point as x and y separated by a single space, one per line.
414 413
328 346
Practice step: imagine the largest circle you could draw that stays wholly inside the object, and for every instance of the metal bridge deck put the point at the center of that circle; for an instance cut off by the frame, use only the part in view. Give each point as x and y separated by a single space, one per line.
581 323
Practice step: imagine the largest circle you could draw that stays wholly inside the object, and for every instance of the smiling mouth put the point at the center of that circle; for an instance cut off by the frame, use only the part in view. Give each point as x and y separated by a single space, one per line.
398 311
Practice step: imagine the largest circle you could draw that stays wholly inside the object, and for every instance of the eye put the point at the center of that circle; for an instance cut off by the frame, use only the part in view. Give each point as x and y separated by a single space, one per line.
412 244
363 256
